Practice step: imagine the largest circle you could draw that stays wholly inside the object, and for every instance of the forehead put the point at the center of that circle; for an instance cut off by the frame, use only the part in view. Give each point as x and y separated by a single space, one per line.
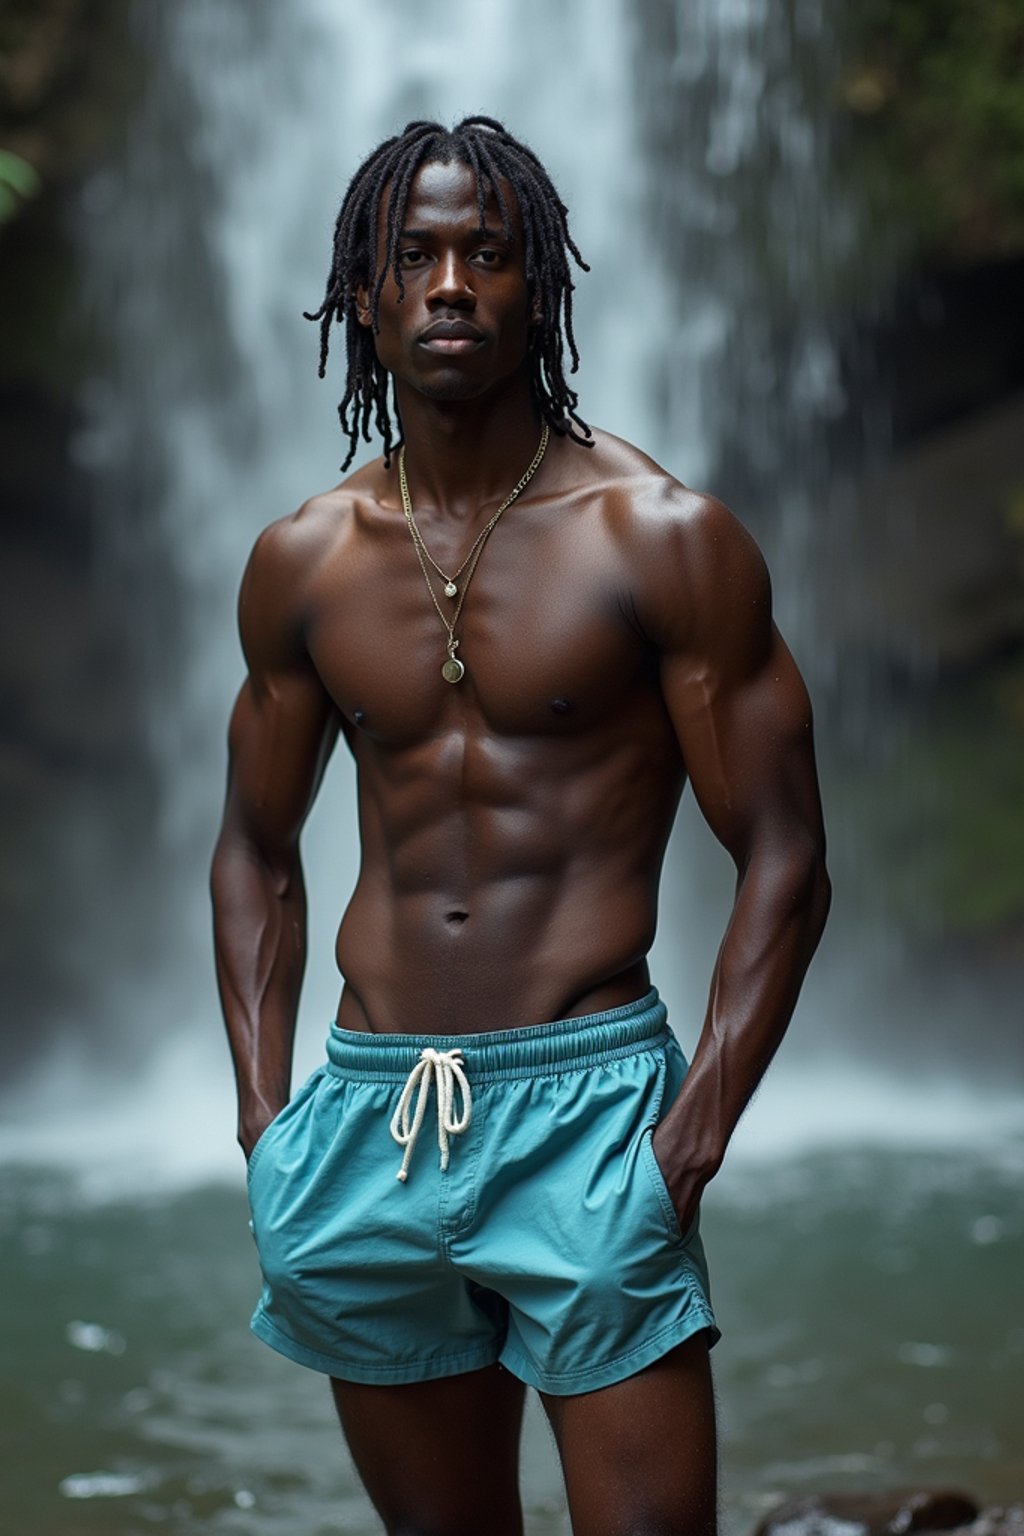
446 193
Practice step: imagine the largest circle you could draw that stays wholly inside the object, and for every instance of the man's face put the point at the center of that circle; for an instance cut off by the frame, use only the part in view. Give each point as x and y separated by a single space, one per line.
462 327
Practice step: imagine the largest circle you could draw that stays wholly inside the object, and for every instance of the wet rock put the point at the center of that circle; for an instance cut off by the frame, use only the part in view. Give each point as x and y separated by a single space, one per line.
999 1520
891 1513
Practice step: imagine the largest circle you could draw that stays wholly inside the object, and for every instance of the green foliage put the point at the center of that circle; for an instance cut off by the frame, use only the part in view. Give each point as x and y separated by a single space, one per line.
935 92
18 181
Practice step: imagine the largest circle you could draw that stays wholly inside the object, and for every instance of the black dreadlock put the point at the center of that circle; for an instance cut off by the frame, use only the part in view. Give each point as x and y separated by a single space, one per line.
492 154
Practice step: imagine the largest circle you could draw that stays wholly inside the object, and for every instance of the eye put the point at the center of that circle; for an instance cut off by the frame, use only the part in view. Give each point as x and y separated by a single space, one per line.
411 257
488 256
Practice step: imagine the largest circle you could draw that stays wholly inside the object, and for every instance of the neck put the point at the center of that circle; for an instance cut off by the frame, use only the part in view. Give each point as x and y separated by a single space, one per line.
462 455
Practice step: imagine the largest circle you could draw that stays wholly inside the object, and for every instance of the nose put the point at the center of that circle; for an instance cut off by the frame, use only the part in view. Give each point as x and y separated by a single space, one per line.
450 286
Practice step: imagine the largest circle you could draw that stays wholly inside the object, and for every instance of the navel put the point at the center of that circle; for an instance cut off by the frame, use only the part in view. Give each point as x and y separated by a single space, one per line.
359 715
561 706
456 919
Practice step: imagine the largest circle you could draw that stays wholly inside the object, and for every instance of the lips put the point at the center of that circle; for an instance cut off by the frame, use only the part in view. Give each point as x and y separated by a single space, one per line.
450 330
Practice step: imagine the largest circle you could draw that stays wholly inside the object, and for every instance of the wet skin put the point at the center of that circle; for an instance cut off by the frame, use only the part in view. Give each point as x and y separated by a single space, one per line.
617 639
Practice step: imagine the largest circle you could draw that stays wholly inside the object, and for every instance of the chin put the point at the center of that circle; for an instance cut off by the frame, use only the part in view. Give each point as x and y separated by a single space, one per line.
459 388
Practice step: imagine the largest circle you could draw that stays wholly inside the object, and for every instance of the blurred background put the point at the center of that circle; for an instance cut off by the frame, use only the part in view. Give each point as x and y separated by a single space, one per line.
805 221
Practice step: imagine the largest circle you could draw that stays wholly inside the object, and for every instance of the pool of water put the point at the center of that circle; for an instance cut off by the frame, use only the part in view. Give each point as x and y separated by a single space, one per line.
872 1302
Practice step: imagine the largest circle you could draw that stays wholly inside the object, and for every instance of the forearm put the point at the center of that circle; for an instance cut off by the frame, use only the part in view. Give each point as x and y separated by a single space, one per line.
780 910
259 909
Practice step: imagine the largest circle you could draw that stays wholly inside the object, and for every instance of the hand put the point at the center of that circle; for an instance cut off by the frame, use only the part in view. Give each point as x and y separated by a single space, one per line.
684 1177
250 1132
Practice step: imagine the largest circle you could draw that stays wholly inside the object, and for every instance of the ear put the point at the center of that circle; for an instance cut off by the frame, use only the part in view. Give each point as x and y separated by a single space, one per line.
364 312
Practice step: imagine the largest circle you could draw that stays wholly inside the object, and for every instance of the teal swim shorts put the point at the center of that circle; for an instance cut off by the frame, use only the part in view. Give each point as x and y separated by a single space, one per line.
428 1204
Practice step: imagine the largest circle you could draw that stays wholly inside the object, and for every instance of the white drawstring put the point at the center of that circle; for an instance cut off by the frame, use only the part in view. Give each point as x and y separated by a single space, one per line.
444 1068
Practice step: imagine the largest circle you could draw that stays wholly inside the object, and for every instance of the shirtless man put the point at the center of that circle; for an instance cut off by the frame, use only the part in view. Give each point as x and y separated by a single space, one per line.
465 1199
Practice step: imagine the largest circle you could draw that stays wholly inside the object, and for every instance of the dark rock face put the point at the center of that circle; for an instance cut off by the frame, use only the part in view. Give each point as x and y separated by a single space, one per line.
70 74
891 1513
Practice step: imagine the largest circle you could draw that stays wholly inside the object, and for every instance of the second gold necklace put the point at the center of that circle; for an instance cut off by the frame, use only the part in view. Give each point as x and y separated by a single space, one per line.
453 670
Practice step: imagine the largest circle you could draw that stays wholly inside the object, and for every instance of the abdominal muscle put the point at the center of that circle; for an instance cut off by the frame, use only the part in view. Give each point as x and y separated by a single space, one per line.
530 900
510 960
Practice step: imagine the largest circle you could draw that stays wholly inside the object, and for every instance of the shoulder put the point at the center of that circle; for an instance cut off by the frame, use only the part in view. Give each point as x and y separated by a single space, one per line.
691 564
284 562
290 550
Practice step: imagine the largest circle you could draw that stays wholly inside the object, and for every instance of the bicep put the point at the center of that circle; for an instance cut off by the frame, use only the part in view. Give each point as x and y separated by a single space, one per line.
283 729
284 723
747 743
738 704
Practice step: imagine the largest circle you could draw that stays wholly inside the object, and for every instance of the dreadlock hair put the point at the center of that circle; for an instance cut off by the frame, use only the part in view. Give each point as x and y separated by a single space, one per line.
494 156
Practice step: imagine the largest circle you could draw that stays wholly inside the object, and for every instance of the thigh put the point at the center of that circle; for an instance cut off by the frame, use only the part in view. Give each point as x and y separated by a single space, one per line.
641 1455
438 1458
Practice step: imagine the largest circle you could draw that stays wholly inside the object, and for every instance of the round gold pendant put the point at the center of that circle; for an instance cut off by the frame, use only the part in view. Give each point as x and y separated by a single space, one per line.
453 671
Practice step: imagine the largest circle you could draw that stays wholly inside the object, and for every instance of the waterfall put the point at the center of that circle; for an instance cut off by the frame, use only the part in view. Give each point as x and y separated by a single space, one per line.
201 246
692 145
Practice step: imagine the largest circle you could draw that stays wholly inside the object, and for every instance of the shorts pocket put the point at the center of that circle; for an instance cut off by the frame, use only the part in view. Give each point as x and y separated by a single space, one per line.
261 1142
659 1186
290 1111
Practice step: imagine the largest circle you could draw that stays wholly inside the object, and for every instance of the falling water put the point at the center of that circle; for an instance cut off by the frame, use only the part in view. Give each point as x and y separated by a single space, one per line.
692 143
202 248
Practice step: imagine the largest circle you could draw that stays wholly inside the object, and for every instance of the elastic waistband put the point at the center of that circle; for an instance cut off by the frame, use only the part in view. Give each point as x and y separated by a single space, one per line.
533 1051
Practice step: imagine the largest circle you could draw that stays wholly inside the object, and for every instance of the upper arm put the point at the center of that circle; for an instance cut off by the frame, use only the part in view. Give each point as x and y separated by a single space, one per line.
738 704
284 723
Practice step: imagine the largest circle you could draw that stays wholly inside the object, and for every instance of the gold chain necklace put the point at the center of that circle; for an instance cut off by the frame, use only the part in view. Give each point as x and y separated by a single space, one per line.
453 670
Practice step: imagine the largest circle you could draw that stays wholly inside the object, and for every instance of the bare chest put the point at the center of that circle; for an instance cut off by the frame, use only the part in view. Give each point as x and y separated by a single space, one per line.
543 634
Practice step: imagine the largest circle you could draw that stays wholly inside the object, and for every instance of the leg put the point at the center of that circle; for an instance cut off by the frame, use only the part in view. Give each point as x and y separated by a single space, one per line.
639 1456
438 1458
